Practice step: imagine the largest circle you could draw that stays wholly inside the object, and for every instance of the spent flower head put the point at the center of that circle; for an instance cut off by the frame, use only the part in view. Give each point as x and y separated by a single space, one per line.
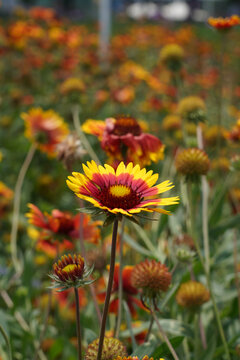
192 108
192 295
192 163
152 277
172 56
70 271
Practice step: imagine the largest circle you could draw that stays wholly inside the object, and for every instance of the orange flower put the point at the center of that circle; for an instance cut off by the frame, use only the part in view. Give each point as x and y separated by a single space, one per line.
6 196
42 13
192 294
44 128
224 23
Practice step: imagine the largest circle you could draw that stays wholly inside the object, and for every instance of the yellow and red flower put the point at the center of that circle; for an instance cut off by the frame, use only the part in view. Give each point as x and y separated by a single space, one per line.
221 23
123 138
70 271
44 128
129 291
127 191
61 226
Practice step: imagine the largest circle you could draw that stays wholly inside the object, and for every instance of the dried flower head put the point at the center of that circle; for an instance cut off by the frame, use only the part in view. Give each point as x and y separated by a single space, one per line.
172 55
171 123
112 348
70 271
192 163
192 108
221 23
127 191
192 294
70 150
152 277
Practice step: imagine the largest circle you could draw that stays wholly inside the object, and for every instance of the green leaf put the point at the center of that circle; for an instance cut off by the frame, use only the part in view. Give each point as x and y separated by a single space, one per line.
109 220
207 354
229 223
134 245
145 349
163 349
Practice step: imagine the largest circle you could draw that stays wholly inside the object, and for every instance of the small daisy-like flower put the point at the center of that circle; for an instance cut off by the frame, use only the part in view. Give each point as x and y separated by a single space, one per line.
192 294
70 271
44 128
172 56
152 277
127 191
221 23
192 108
192 163
112 348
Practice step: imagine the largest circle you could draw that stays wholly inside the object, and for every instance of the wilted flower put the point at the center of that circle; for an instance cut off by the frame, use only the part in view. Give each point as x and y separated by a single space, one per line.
221 23
192 108
172 56
192 163
70 271
126 191
152 277
44 128
70 150
185 255
112 348
192 294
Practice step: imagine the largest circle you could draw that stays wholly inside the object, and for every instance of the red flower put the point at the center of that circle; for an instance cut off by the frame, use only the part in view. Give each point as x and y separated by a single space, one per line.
129 291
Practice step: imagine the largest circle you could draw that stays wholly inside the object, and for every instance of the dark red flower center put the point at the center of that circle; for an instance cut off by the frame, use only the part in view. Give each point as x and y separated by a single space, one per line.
119 196
126 125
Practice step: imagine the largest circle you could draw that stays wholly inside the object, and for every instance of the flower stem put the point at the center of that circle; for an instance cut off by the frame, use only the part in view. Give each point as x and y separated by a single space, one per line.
109 289
149 329
202 333
164 334
83 251
120 281
207 274
2 331
81 135
78 324
16 207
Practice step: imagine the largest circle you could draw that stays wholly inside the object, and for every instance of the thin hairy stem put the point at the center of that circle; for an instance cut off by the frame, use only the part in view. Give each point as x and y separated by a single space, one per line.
16 207
169 345
78 324
149 329
120 281
109 289
4 334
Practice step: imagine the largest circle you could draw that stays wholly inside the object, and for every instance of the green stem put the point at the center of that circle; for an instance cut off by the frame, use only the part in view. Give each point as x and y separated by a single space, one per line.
120 281
196 336
129 324
16 207
109 289
2 331
149 329
207 274
81 135
169 345
235 259
78 324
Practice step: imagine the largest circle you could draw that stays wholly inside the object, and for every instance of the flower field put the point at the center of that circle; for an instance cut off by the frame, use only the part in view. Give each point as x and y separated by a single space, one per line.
119 190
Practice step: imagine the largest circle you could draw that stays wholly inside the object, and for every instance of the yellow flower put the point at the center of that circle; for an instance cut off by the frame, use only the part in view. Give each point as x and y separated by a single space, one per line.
71 85
112 348
192 162
127 191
